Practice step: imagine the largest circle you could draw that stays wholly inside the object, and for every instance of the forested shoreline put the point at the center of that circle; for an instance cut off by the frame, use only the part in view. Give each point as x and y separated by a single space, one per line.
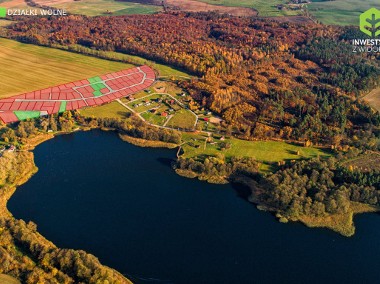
27 255
41 260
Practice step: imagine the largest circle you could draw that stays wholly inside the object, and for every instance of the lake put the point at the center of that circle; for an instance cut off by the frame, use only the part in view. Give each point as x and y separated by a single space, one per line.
125 205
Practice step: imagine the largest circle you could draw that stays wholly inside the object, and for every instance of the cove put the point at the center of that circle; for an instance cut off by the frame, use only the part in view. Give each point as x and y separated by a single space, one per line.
125 205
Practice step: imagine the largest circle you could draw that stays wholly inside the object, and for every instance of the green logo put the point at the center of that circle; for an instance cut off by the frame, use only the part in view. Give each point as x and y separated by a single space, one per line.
3 12
370 22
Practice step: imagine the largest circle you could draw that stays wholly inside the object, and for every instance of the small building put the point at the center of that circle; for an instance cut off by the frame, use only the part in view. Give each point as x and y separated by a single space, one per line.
206 119
164 114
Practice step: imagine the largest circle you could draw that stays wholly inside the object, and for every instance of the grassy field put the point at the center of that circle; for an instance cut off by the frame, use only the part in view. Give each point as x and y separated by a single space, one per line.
100 7
338 12
182 119
28 67
154 118
111 110
163 70
266 8
267 152
341 12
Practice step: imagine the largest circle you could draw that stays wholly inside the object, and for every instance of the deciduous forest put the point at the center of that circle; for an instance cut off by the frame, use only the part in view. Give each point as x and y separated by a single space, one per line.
266 79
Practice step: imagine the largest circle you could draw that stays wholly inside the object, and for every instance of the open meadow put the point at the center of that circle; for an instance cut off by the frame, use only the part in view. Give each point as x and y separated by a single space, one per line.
42 67
338 12
267 152
100 7
341 12
265 8
28 67
110 110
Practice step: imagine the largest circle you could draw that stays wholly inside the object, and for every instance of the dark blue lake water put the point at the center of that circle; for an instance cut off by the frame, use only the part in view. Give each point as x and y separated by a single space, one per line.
125 205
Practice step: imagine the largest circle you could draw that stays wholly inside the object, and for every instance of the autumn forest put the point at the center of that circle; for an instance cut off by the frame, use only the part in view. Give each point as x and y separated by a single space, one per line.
266 79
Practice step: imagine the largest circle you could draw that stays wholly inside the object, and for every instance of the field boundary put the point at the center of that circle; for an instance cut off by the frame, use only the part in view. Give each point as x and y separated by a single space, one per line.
76 95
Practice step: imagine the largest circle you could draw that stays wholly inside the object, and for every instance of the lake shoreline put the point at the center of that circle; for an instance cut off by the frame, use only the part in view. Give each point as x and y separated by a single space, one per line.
340 223
201 193
25 157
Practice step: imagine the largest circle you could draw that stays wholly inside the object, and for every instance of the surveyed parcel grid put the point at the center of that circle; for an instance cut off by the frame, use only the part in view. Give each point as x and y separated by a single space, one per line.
76 95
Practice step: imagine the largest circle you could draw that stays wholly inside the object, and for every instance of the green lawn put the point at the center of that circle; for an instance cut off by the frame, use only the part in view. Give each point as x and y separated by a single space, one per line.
27 67
341 12
267 152
111 110
266 8
182 119
156 119
100 7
